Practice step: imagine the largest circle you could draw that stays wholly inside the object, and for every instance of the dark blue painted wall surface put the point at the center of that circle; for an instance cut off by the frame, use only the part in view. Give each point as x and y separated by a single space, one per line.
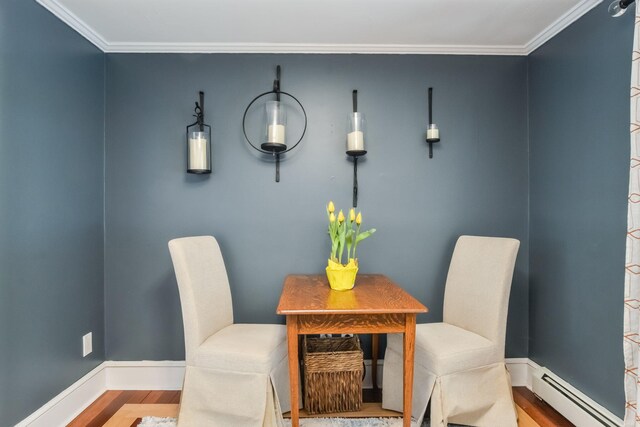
51 206
476 184
52 117
579 142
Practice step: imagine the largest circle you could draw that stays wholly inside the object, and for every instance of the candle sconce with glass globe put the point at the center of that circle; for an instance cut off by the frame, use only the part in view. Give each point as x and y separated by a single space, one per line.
274 137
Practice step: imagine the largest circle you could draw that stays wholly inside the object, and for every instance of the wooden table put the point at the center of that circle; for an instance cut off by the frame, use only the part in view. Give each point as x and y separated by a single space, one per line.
375 305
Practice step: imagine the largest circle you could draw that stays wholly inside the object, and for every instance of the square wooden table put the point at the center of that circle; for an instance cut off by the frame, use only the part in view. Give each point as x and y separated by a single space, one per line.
375 305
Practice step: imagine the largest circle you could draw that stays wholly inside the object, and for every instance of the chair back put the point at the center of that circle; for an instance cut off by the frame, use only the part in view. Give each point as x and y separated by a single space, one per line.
476 296
203 284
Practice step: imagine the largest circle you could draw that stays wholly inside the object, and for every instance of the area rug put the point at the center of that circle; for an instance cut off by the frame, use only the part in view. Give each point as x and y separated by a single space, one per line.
304 422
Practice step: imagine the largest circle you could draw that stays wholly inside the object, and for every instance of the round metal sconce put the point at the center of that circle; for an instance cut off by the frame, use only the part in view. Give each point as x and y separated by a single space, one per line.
355 142
433 133
199 142
275 127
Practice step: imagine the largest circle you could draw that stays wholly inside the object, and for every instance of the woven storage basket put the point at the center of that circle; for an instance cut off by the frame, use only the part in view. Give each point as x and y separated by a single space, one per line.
332 374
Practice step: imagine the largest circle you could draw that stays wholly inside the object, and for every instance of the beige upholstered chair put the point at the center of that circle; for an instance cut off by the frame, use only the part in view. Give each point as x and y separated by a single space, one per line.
236 374
459 363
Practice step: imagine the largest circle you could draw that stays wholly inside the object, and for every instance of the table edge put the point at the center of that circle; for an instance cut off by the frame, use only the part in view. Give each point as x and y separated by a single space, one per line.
290 312
347 311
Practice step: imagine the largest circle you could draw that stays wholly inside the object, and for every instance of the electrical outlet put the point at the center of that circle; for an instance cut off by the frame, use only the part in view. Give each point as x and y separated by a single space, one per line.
87 344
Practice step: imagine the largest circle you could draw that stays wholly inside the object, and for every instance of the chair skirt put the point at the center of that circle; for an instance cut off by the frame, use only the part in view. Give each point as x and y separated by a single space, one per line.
219 398
477 397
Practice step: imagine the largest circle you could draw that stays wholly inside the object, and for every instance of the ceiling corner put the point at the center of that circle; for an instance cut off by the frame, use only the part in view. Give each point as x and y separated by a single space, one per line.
560 24
76 23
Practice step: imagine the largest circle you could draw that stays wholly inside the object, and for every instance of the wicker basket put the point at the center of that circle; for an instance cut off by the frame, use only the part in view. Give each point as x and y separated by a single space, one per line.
333 371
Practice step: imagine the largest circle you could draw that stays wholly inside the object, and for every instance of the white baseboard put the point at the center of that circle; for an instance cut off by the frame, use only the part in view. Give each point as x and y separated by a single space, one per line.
521 370
366 382
144 375
168 375
63 408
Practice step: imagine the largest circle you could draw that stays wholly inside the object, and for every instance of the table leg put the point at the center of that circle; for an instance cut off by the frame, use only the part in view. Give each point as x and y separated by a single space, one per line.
408 353
292 342
374 360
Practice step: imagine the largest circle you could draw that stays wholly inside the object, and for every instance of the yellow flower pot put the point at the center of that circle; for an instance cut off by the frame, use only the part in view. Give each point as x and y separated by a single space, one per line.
342 277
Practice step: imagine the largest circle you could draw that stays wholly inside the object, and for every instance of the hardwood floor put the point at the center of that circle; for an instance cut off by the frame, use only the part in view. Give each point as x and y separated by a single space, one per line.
538 409
100 411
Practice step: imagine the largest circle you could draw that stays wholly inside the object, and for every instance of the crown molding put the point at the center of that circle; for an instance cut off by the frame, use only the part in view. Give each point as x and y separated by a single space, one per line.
101 43
560 24
69 18
312 48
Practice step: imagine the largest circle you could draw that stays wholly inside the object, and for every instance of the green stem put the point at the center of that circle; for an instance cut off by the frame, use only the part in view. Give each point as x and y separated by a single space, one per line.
355 241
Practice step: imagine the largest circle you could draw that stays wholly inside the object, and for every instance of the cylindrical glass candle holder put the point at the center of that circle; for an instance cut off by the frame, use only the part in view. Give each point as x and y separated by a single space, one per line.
199 149
276 125
355 134
433 133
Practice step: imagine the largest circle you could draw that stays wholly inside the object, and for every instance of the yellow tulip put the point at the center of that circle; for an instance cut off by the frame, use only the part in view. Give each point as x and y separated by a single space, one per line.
341 217
332 217
359 218
352 215
331 208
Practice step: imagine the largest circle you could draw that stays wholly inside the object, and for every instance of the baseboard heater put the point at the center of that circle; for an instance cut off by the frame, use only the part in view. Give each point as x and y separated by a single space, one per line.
571 403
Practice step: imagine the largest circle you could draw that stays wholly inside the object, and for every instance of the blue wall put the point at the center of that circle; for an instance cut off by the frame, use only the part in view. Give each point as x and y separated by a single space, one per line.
560 115
476 184
579 142
51 206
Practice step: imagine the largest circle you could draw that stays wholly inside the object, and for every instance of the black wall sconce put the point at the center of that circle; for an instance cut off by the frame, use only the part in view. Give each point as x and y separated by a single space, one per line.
433 133
355 142
275 126
199 142
619 7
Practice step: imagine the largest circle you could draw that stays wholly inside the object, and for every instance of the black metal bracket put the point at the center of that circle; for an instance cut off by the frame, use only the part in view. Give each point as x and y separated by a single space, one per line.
431 141
355 176
276 90
199 113
354 100
355 154
355 181
430 105
276 84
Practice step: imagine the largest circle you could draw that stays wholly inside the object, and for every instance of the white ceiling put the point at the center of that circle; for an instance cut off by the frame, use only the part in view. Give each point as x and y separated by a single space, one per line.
511 27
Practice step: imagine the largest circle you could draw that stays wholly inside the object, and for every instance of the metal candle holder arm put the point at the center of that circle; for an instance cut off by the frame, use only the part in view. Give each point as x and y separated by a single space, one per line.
355 154
433 133
268 148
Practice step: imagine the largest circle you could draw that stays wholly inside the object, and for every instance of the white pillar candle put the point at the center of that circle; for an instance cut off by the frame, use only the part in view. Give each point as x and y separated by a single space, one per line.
198 158
275 134
433 133
355 141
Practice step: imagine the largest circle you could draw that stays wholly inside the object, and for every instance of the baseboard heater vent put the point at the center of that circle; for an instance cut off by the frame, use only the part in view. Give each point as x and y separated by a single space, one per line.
571 403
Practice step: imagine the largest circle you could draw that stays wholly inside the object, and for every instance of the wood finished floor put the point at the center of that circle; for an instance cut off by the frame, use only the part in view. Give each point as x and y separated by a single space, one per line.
100 411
